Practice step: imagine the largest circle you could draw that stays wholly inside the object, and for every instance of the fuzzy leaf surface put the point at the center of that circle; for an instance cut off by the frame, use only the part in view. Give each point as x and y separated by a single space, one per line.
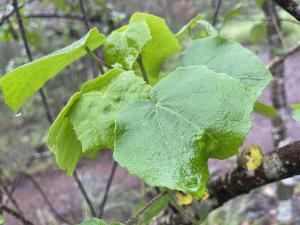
162 45
224 56
125 44
86 124
192 115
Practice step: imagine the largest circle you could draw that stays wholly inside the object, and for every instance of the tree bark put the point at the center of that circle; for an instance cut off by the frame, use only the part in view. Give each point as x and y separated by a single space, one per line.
291 6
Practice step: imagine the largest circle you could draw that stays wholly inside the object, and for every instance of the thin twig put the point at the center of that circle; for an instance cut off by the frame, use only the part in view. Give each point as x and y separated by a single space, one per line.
84 15
135 217
142 67
46 199
29 55
275 61
107 188
216 14
15 214
85 195
12 199
57 15
98 60
5 17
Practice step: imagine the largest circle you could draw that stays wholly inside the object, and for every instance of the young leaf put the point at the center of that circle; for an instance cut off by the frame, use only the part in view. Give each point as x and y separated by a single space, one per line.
235 11
93 115
265 110
86 124
188 27
193 114
296 112
162 45
20 84
258 32
228 57
124 45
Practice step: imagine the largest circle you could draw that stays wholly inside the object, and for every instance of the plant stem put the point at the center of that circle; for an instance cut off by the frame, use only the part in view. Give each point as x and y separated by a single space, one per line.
216 14
134 218
96 58
107 189
142 67
85 195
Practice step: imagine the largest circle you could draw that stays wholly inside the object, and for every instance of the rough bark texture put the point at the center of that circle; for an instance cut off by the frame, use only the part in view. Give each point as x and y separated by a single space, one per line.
291 6
277 165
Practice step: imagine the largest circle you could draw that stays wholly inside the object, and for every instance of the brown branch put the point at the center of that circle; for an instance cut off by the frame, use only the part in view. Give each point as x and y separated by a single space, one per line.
277 165
291 6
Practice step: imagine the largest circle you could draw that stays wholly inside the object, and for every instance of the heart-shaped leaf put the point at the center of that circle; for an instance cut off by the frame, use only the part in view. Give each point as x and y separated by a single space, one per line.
193 114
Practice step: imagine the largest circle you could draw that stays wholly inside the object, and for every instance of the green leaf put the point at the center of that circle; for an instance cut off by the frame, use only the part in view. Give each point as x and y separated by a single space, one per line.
20 84
296 112
188 27
124 45
206 29
157 207
235 11
96 221
265 110
162 45
2 219
258 32
93 115
224 56
86 124
62 139
193 114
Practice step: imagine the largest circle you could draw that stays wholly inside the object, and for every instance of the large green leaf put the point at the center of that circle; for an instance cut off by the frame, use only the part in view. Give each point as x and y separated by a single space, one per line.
224 56
124 45
193 114
296 112
86 124
96 221
162 45
19 84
